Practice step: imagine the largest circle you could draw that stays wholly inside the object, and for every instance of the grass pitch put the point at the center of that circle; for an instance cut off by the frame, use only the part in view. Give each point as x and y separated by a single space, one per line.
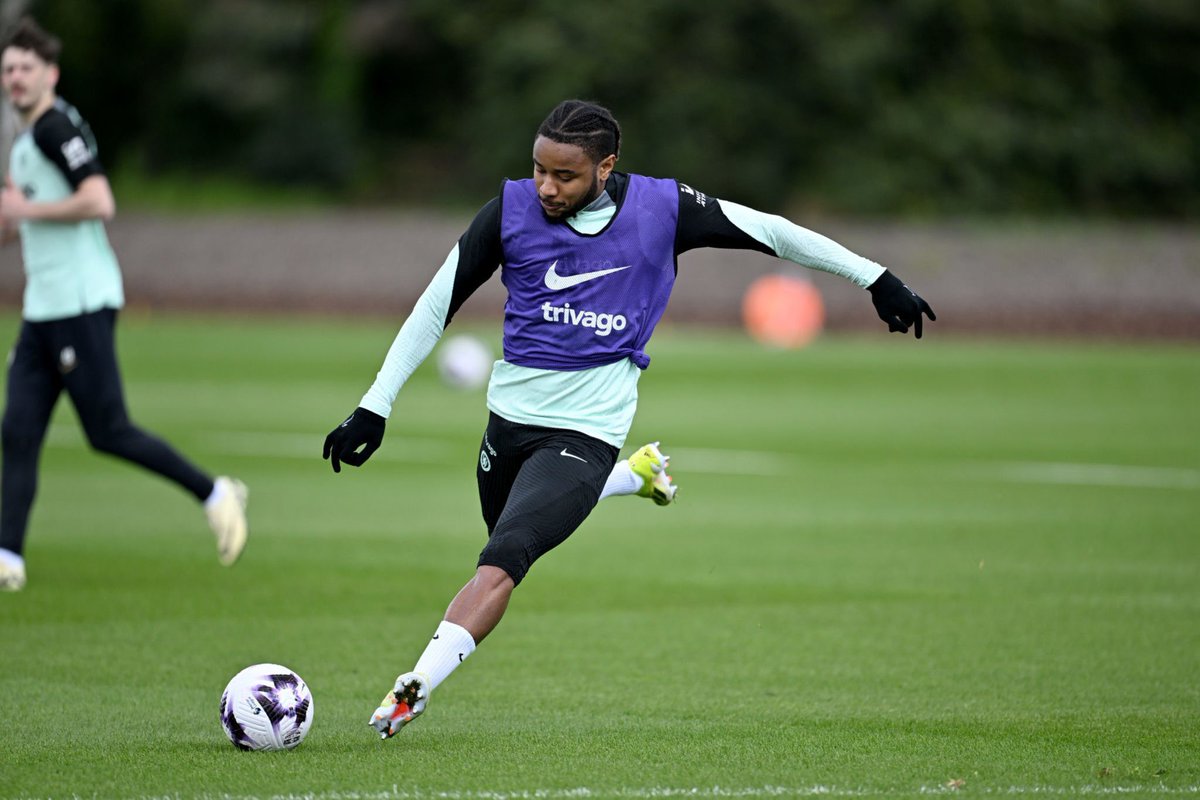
896 568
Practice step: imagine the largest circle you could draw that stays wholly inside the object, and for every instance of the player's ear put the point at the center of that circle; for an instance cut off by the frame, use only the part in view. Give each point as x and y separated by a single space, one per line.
606 166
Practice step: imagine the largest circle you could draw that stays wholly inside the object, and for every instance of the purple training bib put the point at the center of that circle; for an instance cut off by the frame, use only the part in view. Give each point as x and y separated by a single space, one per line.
575 300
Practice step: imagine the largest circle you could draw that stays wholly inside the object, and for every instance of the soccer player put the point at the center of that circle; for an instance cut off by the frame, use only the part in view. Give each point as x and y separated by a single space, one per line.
59 197
588 256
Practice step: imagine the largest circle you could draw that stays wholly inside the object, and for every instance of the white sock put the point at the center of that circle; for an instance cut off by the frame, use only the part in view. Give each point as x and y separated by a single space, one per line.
622 480
448 648
219 489
11 559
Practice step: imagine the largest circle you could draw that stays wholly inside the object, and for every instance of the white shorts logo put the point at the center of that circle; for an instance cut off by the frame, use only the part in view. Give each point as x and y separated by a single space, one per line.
67 359
485 463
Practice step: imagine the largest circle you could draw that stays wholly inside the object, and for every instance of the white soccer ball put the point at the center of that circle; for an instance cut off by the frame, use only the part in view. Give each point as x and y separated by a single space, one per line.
266 707
464 362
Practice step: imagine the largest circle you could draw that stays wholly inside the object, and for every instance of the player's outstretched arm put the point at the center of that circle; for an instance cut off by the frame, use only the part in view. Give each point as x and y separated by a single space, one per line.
707 222
897 305
354 440
472 261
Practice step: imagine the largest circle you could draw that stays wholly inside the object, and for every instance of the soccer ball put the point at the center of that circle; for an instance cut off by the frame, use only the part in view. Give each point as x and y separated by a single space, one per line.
464 362
266 707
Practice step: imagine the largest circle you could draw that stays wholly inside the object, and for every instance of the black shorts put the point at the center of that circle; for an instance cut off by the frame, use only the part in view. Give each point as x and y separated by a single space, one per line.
77 354
536 486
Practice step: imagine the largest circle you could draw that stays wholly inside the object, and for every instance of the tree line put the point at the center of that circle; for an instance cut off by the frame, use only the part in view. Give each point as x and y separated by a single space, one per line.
909 107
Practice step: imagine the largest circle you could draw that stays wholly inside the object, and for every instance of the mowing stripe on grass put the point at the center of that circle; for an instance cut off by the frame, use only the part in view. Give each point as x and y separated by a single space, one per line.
648 792
740 462
1101 475
427 450
410 450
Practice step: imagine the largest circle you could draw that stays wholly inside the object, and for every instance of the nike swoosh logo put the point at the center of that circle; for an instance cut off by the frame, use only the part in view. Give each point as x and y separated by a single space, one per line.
555 282
572 455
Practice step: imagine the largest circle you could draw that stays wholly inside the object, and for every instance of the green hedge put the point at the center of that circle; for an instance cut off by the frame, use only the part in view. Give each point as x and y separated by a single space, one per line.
1076 107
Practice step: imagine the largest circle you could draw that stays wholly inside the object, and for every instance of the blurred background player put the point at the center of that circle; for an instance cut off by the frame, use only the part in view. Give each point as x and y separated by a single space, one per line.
588 256
58 197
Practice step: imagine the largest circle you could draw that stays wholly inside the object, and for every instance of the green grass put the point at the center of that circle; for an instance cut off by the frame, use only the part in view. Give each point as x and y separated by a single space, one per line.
894 565
184 194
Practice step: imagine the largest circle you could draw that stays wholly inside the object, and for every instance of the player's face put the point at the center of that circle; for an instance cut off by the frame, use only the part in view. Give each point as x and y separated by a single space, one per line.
27 79
566 179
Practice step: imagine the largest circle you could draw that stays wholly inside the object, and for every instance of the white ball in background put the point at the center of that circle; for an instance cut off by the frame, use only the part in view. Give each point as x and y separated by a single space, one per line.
464 362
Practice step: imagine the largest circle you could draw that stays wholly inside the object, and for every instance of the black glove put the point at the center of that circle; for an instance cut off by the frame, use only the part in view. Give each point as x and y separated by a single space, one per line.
355 439
898 305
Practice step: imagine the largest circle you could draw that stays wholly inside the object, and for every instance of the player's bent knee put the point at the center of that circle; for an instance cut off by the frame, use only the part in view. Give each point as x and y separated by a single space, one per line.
491 577
508 553
109 440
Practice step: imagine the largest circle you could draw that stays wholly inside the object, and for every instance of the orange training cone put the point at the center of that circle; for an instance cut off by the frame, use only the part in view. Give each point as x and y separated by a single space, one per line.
783 311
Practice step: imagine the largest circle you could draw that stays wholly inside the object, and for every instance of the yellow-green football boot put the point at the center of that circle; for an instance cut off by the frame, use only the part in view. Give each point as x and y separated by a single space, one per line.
650 463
